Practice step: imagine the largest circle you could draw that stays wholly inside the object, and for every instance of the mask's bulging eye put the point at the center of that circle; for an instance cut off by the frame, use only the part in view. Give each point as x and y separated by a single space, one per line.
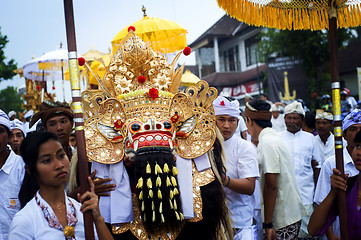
167 125
135 127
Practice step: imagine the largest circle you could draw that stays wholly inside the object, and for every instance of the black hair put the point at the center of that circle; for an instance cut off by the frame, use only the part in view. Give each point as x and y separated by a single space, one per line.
29 151
310 120
158 211
358 137
261 105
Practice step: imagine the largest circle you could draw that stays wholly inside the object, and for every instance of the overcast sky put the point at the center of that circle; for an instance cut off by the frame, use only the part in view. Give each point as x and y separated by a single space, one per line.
38 26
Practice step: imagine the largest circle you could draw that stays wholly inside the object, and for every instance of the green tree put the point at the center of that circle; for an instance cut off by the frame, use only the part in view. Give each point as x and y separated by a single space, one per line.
6 68
10 100
312 47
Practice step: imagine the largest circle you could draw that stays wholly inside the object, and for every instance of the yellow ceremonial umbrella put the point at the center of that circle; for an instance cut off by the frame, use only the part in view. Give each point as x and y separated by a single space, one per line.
307 15
165 36
189 79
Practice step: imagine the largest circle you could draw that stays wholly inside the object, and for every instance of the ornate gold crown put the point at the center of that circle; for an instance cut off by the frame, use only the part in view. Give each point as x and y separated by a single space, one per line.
139 106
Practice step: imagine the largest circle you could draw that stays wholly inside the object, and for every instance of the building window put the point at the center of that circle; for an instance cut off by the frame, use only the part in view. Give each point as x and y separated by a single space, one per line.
251 50
231 59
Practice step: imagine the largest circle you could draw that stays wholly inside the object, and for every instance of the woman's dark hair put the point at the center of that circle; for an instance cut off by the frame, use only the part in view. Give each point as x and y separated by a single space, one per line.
29 151
261 105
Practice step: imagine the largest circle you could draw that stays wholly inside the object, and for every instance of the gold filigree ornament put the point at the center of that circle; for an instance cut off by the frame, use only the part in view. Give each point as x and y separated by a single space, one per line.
139 106
69 232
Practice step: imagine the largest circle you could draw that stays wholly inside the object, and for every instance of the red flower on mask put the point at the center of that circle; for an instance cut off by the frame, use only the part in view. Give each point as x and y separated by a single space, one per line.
153 93
118 124
221 103
175 118
38 87
131 28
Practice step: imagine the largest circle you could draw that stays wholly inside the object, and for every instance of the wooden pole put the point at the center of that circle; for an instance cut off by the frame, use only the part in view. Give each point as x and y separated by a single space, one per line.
78 113
336 102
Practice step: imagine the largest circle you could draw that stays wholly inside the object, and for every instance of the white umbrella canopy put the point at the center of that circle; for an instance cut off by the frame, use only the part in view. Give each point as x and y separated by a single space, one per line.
47 67
50 67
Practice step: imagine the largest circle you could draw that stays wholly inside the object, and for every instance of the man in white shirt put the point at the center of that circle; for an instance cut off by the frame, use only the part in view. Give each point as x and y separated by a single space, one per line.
350 126
283 208
277 120
305 158
325 141
12 170
242 169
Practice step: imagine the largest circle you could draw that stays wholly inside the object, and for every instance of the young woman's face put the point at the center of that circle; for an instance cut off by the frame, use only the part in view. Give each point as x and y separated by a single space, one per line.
52 164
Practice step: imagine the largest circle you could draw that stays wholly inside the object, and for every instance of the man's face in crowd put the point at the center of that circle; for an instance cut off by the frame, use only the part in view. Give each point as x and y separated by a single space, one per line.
61 126
323 126
356 156
227 125
275 114
293 122
350 133
15 140
72 141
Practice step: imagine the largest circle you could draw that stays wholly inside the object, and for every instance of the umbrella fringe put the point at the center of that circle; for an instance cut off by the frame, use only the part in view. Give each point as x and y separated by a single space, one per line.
286 15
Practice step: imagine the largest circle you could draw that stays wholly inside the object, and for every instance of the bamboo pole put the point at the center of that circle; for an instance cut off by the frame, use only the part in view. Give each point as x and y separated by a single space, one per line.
78 113
341 195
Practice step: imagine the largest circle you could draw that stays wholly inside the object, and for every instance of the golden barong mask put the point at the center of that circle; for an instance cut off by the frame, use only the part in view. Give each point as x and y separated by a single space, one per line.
139 106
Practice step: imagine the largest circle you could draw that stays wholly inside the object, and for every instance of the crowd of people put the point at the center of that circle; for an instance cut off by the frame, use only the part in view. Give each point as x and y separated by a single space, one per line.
274 161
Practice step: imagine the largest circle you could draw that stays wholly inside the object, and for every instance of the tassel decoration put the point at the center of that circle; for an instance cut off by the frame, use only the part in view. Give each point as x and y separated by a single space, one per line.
148 169
157 169
175 191
159 194
171 194
166 168
168 182
151 193
149 183
141 195
170 204
175 171
177 215
158 182
174 181
140 183
175 204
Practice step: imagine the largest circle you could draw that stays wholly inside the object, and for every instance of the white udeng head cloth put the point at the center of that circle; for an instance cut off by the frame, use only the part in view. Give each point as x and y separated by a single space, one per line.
222 106
275 108
4 119
17 124
294 107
